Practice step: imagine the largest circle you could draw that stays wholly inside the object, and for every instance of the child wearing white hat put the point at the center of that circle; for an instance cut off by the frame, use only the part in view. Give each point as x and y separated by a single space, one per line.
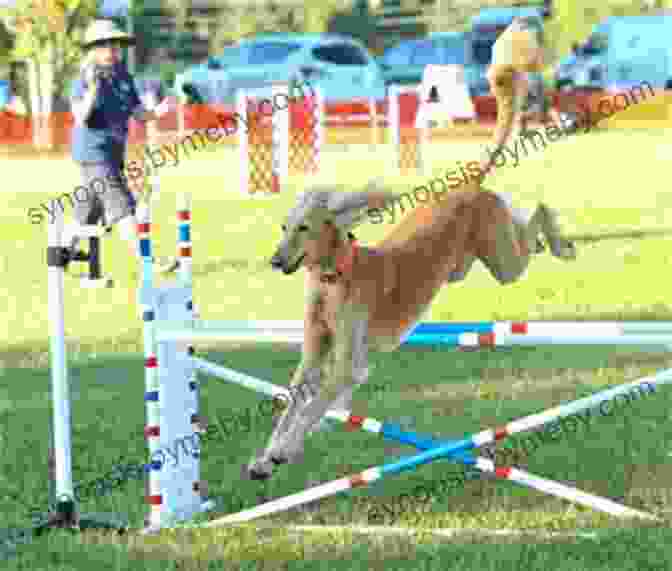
103 99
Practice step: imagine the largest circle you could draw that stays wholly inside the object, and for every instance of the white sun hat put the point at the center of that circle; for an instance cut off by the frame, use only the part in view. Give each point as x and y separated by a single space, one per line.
103 31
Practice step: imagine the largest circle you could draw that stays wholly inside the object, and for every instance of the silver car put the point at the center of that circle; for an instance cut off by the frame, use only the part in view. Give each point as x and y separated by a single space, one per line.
341 66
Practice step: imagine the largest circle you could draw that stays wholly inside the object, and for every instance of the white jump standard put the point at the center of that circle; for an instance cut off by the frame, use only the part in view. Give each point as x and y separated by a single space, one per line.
175 492
59 256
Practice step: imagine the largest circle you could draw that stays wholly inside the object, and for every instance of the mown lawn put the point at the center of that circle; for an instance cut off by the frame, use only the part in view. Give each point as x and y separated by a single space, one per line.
602 182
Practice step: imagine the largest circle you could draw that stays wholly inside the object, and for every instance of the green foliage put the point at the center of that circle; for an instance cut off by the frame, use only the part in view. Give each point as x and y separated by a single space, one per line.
36 29
6 44
317 15
358 22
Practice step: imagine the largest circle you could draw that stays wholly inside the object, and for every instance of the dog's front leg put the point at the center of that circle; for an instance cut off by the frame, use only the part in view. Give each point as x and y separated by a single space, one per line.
347 367
303 385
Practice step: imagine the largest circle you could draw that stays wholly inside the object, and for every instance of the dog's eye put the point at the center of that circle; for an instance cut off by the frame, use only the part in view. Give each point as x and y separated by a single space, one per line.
303 228
284 227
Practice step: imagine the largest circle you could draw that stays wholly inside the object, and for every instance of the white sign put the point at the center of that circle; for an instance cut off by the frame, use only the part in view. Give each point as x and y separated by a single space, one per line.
451 100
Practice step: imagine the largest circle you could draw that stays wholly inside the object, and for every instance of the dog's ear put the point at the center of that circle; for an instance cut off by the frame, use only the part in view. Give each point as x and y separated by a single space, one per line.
348 208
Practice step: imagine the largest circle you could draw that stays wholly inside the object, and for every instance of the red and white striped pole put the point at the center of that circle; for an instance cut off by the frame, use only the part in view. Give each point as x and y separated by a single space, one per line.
475 441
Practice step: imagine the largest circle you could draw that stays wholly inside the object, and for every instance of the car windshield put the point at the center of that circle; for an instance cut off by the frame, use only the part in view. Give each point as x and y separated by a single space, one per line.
271 52
482 51
595 44
484 39
230 55
454 53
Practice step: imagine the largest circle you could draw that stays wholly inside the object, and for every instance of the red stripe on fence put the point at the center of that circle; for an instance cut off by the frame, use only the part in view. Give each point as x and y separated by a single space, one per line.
519 328
155 500
357 481
501 432
486 339
184 215
152 431
151 362
502 472
144 228
354 422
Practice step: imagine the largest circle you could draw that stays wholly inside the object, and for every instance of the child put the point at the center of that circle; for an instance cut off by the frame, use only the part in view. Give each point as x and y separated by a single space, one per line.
103 99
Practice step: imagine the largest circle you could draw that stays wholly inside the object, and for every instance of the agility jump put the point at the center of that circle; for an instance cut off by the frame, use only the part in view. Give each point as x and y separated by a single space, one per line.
179 366
170 322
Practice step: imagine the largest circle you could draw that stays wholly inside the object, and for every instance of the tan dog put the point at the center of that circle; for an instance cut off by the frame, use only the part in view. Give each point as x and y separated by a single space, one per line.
360 298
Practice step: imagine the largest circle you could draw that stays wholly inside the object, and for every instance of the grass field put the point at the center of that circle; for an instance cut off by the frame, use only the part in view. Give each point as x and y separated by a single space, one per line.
604 182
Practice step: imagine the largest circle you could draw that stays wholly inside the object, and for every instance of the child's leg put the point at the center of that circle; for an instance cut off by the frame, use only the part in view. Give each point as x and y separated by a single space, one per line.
119 205
87 206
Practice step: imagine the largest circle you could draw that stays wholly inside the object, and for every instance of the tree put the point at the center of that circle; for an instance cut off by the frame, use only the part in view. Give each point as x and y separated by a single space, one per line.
45 35
357 22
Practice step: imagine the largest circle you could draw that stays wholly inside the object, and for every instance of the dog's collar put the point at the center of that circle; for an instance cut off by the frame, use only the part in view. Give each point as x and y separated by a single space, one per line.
345 262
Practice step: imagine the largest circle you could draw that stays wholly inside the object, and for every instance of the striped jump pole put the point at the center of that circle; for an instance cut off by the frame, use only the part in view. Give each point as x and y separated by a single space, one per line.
477 440
393 431
184 239
548 328
475 340
152 383
551 487
476 334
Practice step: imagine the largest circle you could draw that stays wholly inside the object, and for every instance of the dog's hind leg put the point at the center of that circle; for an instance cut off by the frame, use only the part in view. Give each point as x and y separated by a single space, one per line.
548 221
461 271
508 254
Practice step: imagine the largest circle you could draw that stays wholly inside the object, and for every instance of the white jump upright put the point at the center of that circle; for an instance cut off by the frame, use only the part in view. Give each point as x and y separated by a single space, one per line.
59 256
175 490
59 368
409 156
252 106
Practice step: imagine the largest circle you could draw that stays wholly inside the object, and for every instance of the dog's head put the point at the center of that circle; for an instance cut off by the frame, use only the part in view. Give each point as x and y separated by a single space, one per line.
317 211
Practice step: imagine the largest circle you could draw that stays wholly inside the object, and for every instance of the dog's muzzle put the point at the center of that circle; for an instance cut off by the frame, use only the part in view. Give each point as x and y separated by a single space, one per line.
279 263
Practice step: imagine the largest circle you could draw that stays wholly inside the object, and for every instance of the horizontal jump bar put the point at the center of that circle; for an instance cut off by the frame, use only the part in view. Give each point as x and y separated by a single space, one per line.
514 327
504 340
452 340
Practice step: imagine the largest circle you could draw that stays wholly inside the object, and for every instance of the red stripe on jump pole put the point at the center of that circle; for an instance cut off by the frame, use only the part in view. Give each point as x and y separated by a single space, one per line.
144 228
519 328
152 431
502 472
275 184
155 500
185 251
357 481
486 339
354 422
501 432
184 215
151 362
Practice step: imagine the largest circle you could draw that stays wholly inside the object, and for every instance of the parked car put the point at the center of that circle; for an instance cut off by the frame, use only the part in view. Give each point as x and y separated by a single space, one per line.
341 66
621 52
404 63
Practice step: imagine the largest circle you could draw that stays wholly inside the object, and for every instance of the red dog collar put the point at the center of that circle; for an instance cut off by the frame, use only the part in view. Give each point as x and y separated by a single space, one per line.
345 262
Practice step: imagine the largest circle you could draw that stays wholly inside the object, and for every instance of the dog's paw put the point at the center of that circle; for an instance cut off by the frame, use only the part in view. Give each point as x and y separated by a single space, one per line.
258 470
563 249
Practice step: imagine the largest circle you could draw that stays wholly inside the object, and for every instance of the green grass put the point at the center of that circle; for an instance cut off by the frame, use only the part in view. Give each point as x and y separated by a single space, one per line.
603 182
